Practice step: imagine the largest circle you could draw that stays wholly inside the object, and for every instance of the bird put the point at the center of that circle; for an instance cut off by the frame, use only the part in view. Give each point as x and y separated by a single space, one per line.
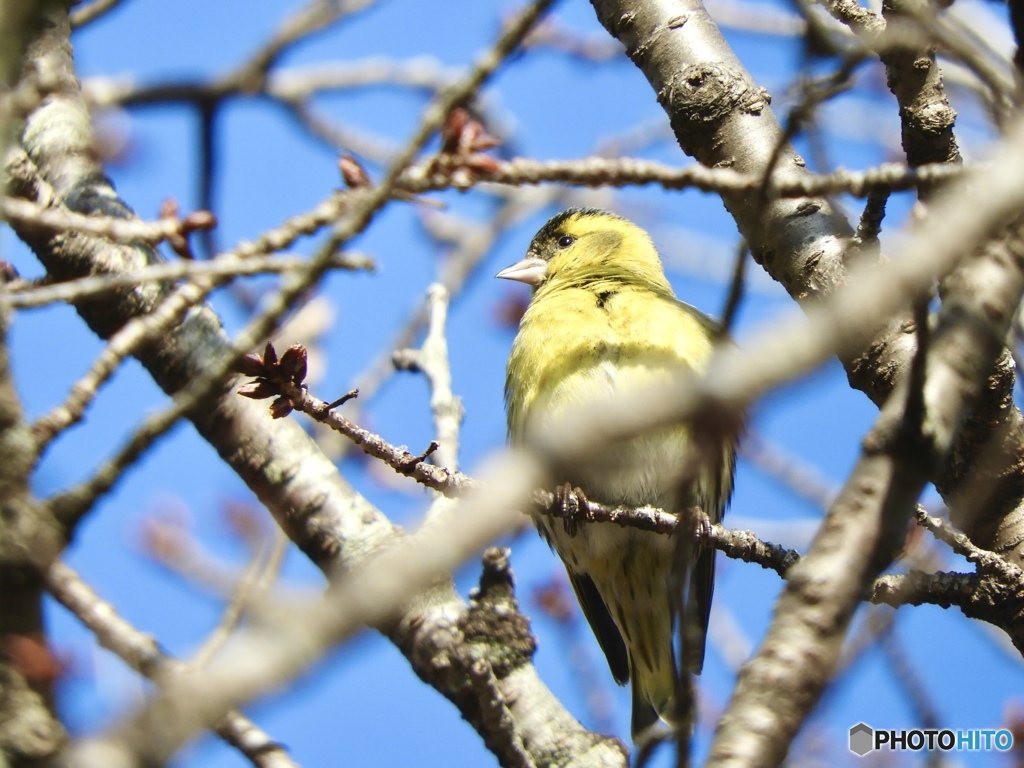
602 321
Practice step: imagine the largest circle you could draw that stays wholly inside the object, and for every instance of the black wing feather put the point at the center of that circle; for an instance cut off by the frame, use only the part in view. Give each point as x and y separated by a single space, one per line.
702 577
600 619
702 587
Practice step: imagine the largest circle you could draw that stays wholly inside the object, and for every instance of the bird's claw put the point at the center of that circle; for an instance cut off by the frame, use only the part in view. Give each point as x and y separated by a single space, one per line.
573 504
702 526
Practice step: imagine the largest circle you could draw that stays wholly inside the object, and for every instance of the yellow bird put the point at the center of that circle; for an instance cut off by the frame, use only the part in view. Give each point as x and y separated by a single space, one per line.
603 319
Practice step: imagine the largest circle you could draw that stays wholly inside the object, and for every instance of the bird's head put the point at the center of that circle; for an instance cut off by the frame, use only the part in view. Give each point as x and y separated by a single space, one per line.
583 244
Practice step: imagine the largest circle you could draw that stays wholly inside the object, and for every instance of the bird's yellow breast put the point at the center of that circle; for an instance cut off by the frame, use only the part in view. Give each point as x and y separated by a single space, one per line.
578 343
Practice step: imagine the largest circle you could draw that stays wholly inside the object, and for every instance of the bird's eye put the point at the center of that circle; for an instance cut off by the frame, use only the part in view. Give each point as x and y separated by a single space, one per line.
565 241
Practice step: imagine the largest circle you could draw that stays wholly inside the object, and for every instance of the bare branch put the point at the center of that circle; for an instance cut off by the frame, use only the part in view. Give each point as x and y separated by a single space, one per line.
94 10
143 654
432 360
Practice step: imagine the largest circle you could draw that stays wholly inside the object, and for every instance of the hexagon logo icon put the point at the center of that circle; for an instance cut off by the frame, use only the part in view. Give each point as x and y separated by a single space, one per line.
861 739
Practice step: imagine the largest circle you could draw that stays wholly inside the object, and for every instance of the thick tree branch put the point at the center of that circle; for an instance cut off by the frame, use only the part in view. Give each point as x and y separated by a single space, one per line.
913 76
30 539
863 530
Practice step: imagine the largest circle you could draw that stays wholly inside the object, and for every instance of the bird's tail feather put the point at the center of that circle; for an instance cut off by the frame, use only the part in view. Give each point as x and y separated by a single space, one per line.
645 717
653 690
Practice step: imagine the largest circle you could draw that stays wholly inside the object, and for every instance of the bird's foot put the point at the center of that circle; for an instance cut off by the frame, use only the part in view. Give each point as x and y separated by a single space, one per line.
703 528
573 504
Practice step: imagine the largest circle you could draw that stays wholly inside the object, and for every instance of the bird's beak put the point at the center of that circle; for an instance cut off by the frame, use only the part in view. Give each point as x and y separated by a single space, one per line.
532 270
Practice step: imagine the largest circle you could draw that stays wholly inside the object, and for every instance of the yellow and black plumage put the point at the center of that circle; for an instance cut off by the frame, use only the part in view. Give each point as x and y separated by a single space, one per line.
603 319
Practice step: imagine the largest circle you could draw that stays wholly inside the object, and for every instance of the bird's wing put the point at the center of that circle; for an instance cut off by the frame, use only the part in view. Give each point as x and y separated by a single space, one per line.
702 587
600 620
702 576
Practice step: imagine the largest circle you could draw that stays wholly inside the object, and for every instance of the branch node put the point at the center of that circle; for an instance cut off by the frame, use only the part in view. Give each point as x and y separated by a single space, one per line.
352 394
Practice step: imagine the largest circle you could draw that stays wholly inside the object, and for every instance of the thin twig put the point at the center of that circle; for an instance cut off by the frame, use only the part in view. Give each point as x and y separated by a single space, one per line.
94 10
227 266
143 654
622 172
252 587
989 562
735 296
432 360
439 478
29 214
